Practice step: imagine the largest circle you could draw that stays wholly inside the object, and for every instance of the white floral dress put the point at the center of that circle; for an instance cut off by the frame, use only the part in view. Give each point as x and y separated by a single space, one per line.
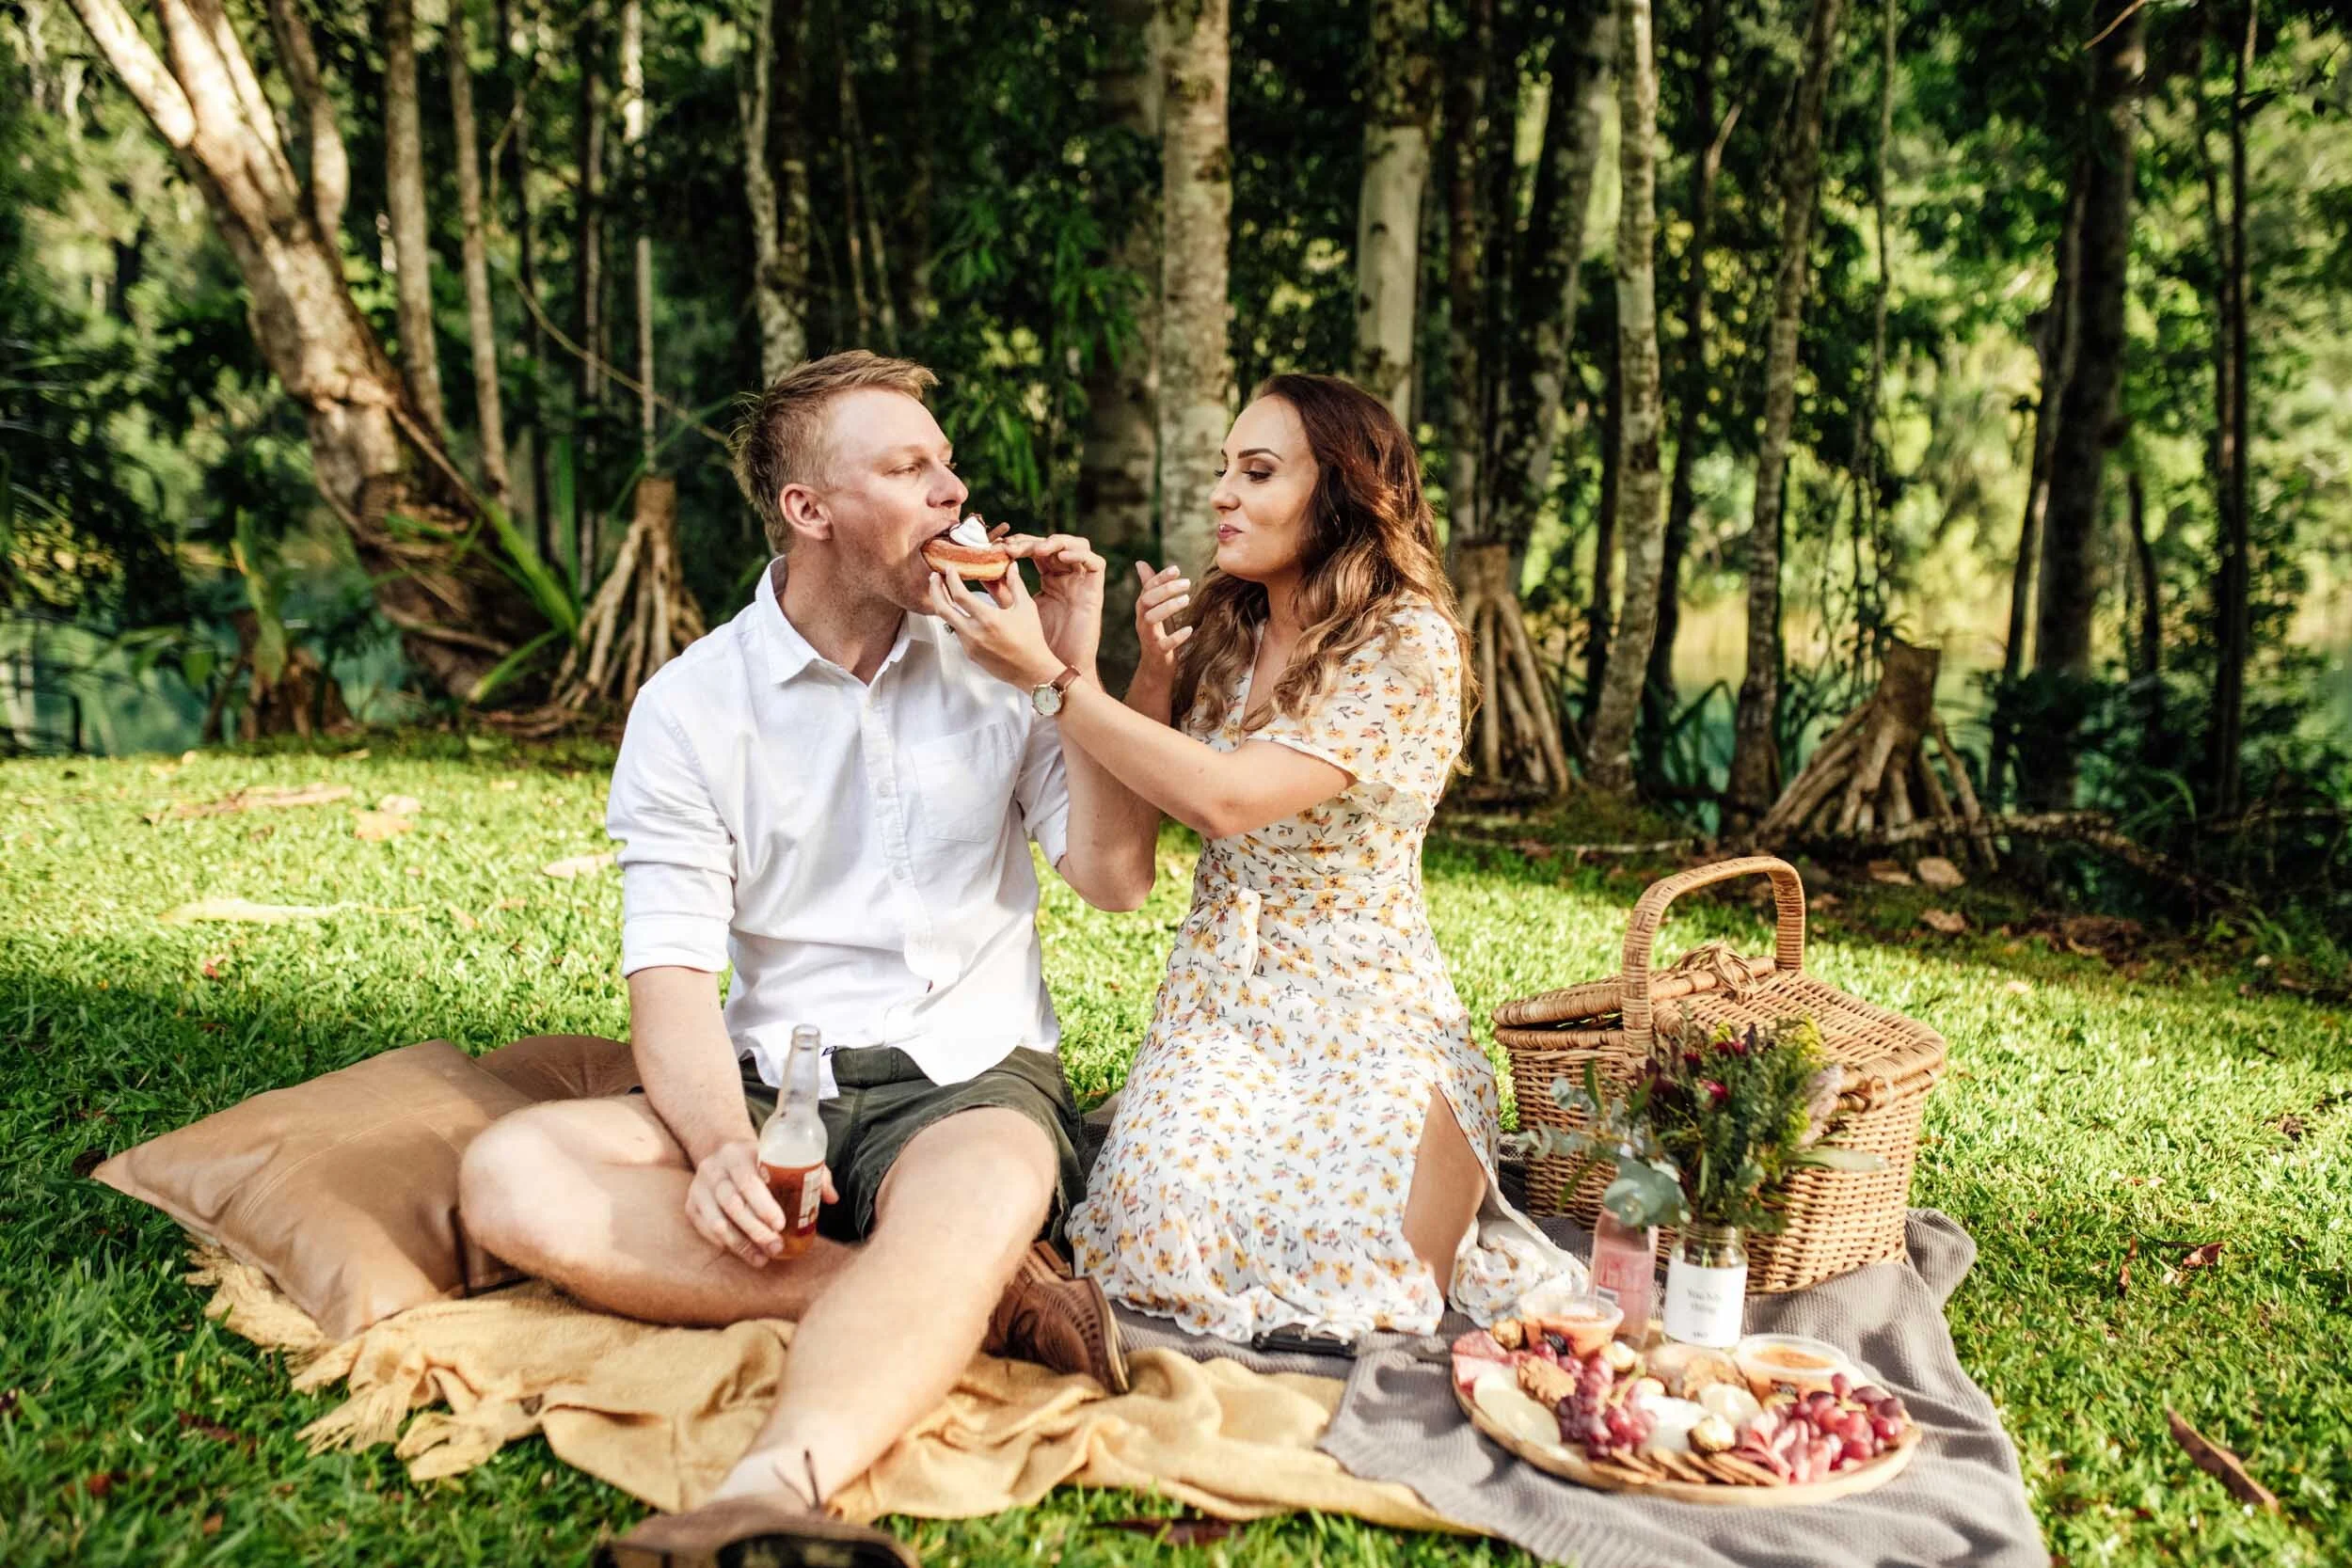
1257 1168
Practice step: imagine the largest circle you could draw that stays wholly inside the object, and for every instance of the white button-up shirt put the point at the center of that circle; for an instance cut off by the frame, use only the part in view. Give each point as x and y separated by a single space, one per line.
858 851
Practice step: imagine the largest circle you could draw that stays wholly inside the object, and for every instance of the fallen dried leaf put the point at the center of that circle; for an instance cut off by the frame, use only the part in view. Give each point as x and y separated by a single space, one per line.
1889 872
463 921
374 827
1945 921
400 805
1183 1529
2216 1460
214 965
103 1482
244 912
212 1525
2124 1275
1534 849
1820 901
1936 871
269 797
2290 1126
2018 988
575 865
190 1421
2203 1257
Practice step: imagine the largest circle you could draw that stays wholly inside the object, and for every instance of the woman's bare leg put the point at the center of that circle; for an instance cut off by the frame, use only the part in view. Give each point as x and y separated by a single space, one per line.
1449 1184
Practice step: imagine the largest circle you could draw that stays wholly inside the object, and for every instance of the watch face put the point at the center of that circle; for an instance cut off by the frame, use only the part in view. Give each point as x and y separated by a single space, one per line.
1046 700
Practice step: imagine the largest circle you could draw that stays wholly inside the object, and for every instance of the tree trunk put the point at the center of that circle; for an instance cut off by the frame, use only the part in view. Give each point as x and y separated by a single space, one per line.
2148 666
1388 207
589 262
403 198
916 254
372 454
481 323
1756 754
2233 587
520 73
857 177
1609 755
775 129
1550 289
633 149
588 272
2087 414
1466 425
852 222
1117 459
2054 352
1196 197
1691 378
1600 613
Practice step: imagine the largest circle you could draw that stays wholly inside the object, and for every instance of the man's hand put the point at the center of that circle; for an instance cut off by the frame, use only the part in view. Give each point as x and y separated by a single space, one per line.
1069 594
730 1204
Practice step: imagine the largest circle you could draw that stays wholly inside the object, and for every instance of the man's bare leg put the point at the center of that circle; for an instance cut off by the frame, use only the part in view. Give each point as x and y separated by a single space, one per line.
899 1317
591 1194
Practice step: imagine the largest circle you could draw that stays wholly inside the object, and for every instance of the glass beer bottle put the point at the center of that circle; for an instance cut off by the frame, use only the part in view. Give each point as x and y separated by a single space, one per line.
792 1144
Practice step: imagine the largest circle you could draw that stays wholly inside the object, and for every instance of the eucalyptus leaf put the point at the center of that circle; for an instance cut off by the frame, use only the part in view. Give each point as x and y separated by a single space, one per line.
1837 1159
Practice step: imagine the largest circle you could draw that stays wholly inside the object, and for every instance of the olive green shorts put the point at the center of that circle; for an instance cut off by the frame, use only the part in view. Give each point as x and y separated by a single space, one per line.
885 1101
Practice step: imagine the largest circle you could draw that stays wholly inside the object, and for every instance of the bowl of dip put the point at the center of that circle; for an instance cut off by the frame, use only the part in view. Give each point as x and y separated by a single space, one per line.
1585 1321
1770 1361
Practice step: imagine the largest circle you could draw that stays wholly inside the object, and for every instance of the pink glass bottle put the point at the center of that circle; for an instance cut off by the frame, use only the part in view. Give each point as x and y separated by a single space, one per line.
1625 1272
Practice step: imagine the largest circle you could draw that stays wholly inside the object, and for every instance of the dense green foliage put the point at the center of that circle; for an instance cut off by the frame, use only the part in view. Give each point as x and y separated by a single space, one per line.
2096 1117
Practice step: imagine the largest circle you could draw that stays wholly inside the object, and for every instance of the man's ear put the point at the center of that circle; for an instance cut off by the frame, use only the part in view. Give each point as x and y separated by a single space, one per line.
803 512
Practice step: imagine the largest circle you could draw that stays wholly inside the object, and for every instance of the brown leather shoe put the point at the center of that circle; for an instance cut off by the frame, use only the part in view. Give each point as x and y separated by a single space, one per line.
753 1532
1059 1322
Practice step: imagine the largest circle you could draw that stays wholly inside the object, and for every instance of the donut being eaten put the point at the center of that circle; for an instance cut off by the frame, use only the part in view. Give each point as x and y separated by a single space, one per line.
966 551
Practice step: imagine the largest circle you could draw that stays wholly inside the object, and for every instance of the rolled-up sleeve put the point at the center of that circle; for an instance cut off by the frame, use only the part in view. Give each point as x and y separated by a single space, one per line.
1042 790
677 856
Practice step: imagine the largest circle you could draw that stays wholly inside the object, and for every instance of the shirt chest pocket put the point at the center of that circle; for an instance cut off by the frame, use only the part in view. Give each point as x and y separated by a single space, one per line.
963 781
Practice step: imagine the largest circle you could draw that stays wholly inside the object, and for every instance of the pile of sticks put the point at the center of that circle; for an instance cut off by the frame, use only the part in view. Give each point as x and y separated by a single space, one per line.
641 618
1877 772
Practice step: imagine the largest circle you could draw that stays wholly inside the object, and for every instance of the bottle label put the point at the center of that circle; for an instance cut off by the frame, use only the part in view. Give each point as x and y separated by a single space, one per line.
1704 1305
812 1194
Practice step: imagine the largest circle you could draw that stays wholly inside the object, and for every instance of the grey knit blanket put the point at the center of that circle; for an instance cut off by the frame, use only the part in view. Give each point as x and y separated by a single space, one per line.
1962 1500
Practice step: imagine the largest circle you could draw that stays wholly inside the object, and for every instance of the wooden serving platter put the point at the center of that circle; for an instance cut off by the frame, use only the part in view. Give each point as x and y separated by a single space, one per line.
1715 1479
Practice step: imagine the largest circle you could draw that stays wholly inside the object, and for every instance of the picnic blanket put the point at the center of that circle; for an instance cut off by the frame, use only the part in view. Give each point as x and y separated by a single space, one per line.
1962 1500
663 1412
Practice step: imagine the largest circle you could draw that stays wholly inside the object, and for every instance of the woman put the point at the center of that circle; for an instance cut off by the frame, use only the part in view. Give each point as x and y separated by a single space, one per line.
1308 1133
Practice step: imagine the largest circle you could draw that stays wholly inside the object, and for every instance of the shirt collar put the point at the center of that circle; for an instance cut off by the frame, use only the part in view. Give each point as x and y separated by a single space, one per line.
788 653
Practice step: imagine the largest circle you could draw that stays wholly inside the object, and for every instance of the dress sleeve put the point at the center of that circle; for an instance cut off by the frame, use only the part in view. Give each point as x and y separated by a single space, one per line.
1392 717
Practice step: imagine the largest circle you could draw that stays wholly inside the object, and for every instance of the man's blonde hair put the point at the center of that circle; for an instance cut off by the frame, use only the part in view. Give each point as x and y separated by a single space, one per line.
780 440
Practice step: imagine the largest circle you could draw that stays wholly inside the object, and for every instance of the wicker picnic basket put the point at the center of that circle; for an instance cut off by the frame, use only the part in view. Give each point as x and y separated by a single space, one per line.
1836 1220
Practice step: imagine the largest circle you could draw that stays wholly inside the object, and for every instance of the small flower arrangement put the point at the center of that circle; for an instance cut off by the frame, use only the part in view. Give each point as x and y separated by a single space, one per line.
1712 1127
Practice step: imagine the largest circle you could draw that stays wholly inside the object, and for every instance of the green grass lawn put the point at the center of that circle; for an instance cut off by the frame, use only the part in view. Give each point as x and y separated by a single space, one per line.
2088 1110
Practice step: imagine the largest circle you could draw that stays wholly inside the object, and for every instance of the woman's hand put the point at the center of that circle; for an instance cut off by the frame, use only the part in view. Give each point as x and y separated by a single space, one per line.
1165 594
1000 629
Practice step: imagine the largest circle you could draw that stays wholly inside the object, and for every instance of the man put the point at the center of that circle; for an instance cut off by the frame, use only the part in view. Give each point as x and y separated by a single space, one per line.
826 794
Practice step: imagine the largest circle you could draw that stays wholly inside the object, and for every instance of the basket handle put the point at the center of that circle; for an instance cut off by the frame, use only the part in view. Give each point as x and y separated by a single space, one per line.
1650 912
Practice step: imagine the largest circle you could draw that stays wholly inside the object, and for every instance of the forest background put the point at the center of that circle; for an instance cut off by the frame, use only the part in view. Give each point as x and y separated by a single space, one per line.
376 361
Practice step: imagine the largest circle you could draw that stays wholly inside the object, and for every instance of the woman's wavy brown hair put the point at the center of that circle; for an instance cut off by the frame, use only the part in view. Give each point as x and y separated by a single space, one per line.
1371 543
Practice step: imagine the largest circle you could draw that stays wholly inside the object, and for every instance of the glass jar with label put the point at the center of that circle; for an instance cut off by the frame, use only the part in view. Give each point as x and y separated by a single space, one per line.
1706 1287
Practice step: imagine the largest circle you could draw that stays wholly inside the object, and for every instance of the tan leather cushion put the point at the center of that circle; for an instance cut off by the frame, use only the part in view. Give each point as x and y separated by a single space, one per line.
564 1066
344 1189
